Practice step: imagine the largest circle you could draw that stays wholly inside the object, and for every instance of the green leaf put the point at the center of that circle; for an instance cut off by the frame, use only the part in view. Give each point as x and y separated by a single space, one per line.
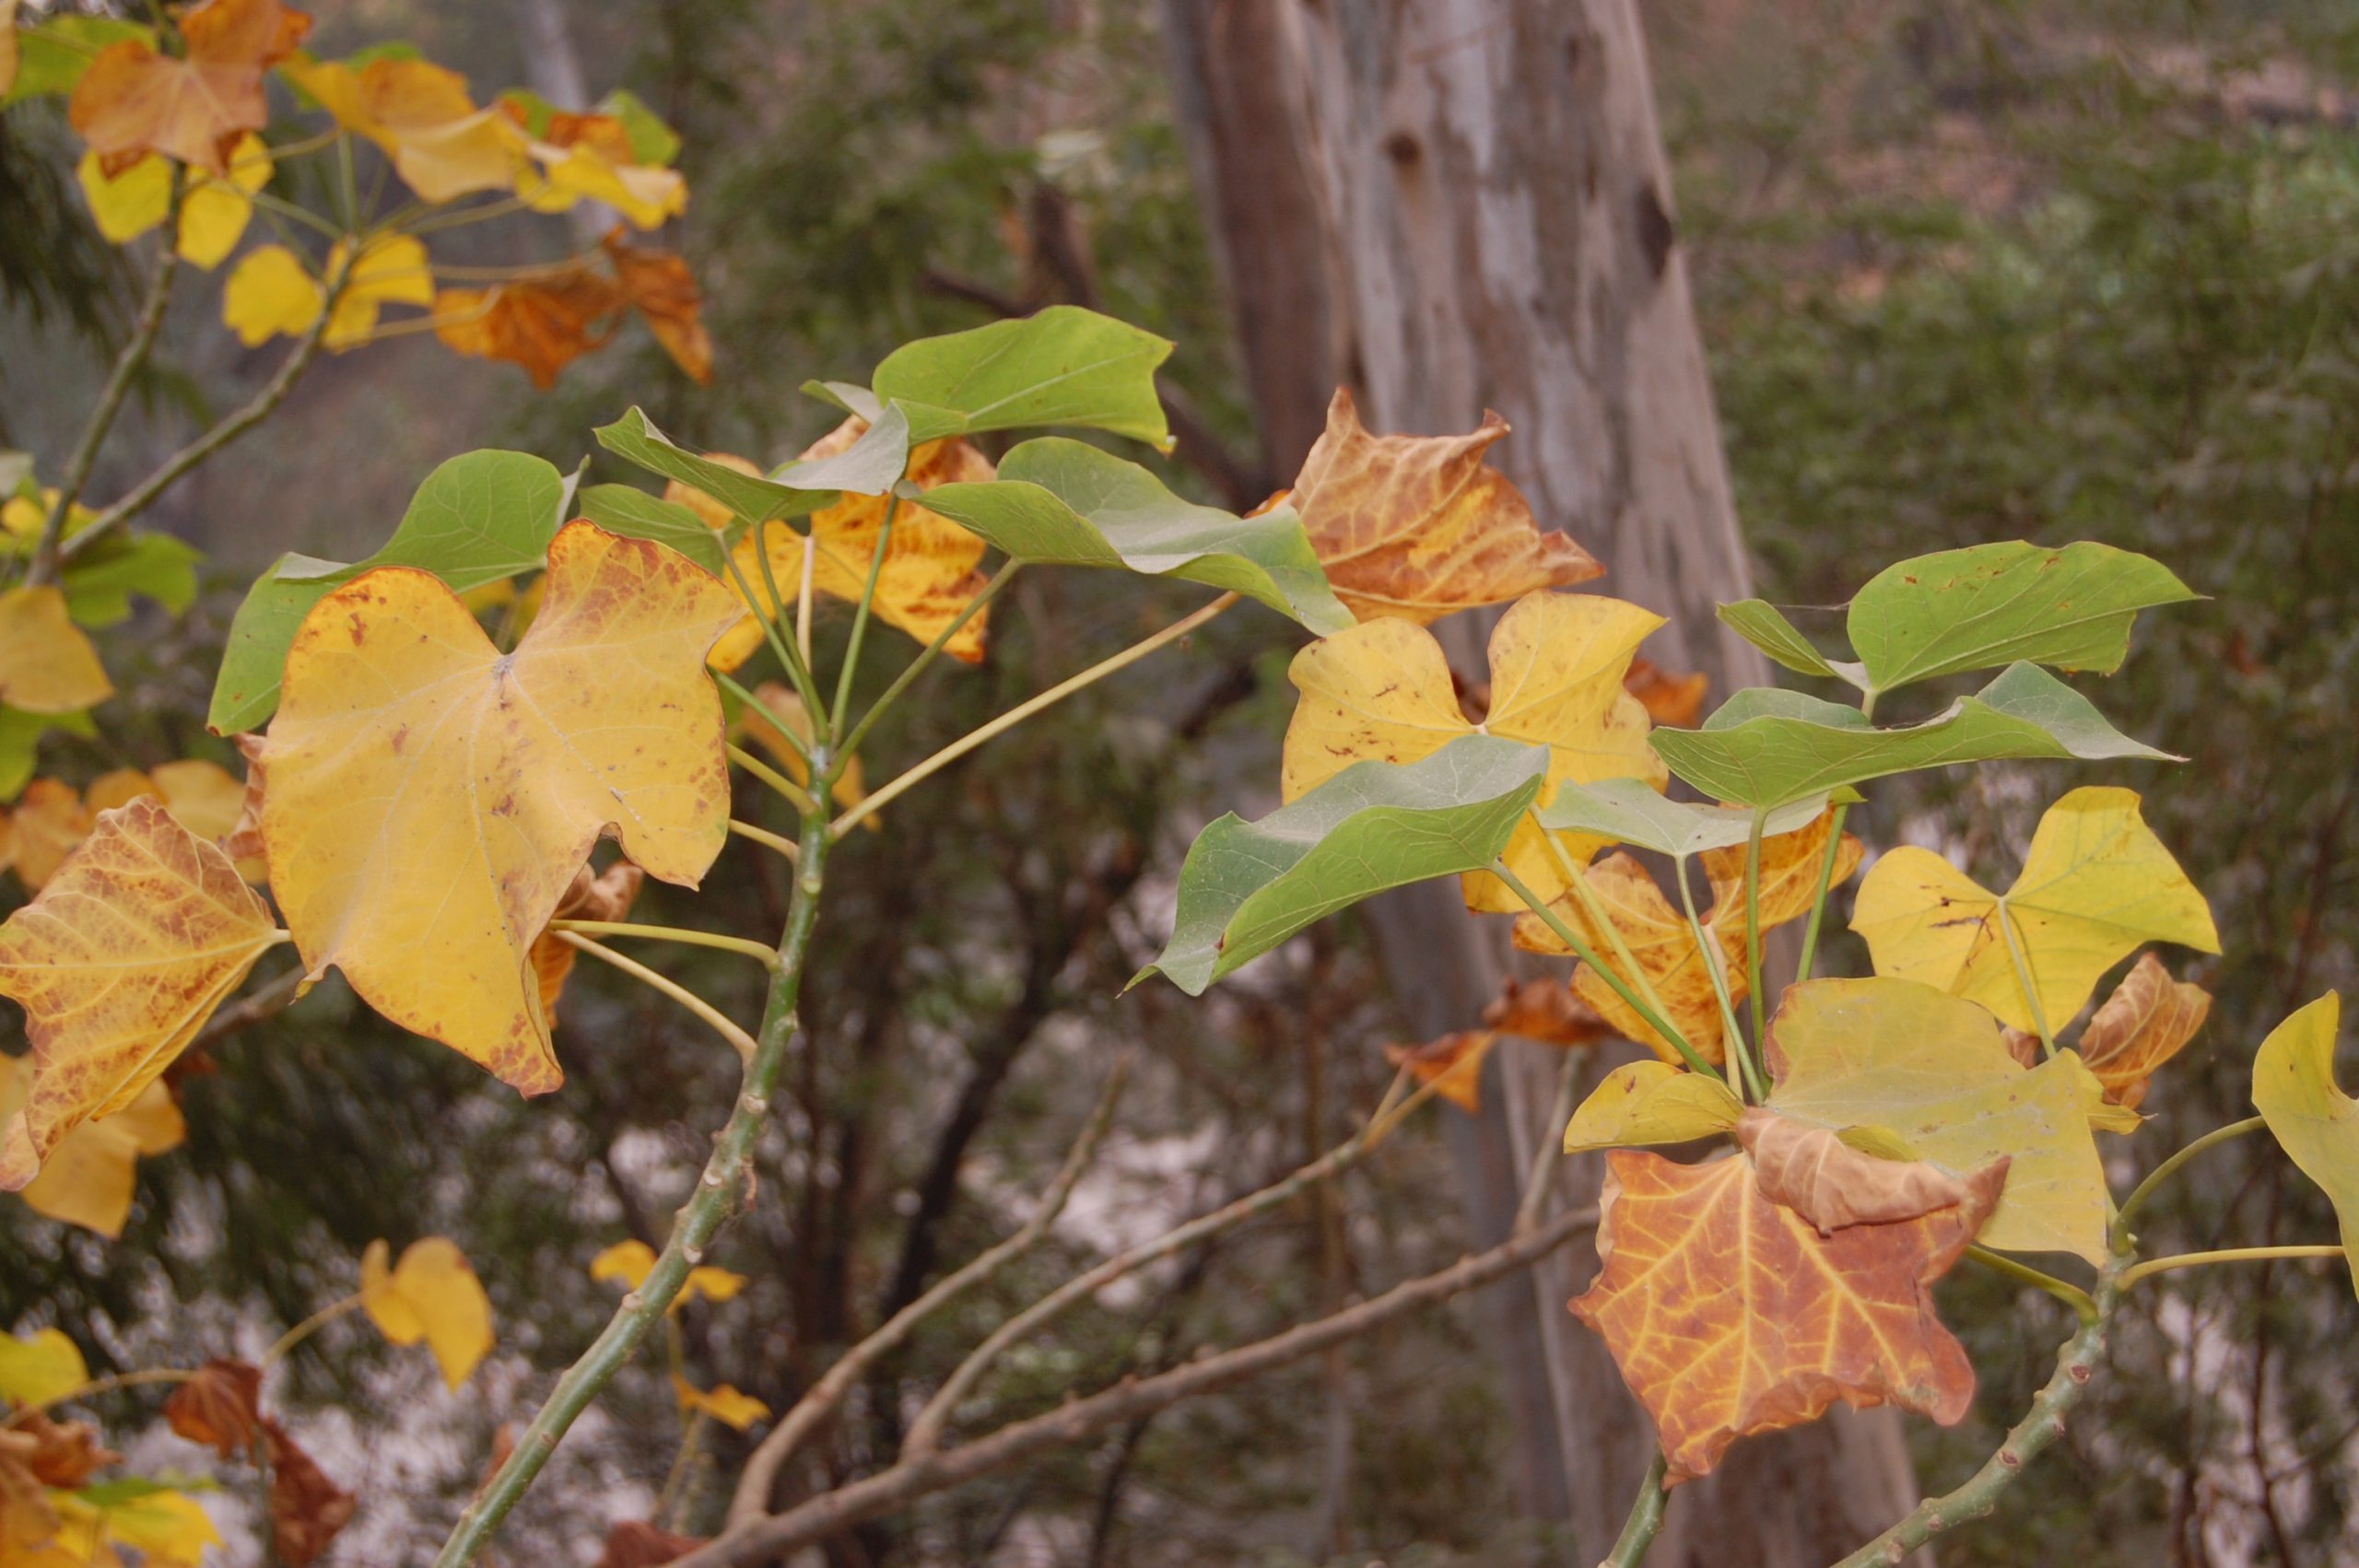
52 57
1063 502
1628 810
848 396
1766 747
868 467
1247 886
651 141
1993 605
155 566
2313 1120
124 1489
623 508
21 734
476 518
1763 625
1065 366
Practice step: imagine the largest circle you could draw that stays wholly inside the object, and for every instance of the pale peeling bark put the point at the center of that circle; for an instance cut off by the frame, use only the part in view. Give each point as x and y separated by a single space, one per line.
1450 206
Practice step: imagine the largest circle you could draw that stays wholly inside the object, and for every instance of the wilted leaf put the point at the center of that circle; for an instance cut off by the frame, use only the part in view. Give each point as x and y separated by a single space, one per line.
1419 526
1926 1076
1546 1011
722 1402
2147 1020
431 1295
2313 1120
431 798
307 1510
2095 885
220 1406
1832 1184
1452 1066
1245 887
89 1177
638 1543
118 963
542 322
39 1367
1729 1315
60 1454
606 896
1651 1102
46 664
929 574
629 1262
1381 691
664 292
423 119
1766 747
134 100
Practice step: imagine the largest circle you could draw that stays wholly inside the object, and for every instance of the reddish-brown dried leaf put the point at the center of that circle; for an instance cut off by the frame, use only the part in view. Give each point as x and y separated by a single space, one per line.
635 1543
63 1454
607 896
220 1407
1546 1011
662 289
307 1509
1453 1065
543 324
135 100
1672 701
1729 1315
1834 1185
2147 1020
1418 526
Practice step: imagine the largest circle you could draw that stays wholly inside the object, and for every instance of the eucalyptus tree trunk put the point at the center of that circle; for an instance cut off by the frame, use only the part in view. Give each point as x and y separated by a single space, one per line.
1450 206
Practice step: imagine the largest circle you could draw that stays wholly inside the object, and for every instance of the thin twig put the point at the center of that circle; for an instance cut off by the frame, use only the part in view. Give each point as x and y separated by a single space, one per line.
765 837
1538 1182
760 952
2153 1266
825 1395
795 794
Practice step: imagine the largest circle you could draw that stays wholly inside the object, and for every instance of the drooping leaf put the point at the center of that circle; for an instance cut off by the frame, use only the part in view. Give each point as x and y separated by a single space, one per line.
431 1295
1729 1315
1651 1102
2095 885
1381 691
928 577
1766 747
2147 1020
1246 888
47 665
2313 1120
1452 1066
90 1176
477 518
421 117
1993 605
431 798
623 509
57 1453
1932 1076
870 465
1065 503
118 963
219 1405
1063 366
660 286
308 1511
134 99
1419 526
1812 1171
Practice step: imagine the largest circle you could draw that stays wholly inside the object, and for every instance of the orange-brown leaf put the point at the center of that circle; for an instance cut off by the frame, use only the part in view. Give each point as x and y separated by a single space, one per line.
1418 526
1672 701
1789 867
60 1454
1834 1185
636 1543
1665 948
220 1407
1729 1315
1453 1065
606 895
1546 1011
134 100
543 322
118 963
2147 1020
307 1509
662 289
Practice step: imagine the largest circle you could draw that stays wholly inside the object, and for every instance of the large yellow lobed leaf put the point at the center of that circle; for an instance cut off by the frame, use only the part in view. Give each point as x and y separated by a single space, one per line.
432 798
2313 1120
118 963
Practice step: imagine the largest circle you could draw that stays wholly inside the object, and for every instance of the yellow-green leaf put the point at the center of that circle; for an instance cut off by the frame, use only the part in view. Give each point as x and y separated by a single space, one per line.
1651 1102
36 1368
2314 1121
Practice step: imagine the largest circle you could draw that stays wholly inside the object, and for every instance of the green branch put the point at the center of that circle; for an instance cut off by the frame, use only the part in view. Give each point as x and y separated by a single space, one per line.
1646 1518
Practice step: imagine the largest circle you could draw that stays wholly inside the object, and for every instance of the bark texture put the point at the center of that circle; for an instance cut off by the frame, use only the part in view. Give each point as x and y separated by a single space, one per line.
1450 206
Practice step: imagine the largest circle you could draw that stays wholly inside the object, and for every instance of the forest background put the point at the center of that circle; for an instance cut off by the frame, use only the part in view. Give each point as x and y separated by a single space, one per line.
1964 271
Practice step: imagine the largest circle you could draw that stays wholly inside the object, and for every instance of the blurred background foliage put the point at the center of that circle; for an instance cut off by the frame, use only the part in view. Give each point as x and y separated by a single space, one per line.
1967 270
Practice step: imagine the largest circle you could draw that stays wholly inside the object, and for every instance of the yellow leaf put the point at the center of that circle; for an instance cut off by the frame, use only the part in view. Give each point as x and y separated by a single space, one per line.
194 105
2095 885
431 1295
783 701
141 896
1418 526
929 573
51 820
2313 1120
89 1177
1650 1102
47 665
431 798
202 796
169 1529
589 158
391 269
1382 689
1932 1076
213 212
38 1367
630 1262
421 116
724 1404
270 295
